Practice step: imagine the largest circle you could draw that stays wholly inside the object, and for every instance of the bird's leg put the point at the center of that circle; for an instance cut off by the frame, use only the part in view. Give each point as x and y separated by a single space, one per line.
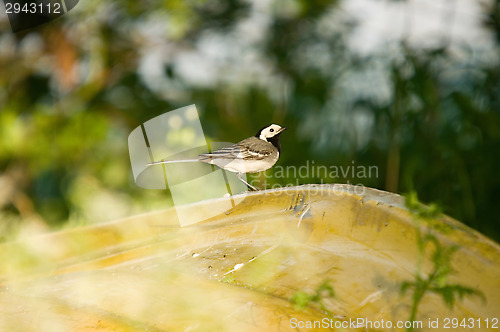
248 184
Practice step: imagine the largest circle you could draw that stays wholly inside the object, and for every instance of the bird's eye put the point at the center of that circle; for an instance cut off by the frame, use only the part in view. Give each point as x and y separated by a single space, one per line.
271 130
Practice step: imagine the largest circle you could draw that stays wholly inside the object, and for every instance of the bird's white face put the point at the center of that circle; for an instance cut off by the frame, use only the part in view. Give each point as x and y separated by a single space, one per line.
270 132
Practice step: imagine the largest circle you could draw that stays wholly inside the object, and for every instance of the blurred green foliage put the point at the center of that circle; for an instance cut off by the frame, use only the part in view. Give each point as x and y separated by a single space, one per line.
72 90
436 281
302 299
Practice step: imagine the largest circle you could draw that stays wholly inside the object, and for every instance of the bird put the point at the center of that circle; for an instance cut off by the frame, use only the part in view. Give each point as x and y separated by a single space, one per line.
252 155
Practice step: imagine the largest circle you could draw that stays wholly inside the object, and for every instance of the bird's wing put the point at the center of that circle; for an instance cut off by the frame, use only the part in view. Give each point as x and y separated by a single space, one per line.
245 149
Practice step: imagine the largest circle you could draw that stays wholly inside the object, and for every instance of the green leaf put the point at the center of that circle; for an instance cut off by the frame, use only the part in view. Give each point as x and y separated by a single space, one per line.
300 300
325 287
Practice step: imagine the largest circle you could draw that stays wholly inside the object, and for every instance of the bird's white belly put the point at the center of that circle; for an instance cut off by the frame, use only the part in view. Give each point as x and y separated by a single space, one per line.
242 166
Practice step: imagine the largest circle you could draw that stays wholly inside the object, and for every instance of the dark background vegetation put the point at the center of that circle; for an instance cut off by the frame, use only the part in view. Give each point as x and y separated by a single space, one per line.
72 90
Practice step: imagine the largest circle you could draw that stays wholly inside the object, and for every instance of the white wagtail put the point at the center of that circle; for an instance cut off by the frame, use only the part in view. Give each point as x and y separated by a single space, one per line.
252 155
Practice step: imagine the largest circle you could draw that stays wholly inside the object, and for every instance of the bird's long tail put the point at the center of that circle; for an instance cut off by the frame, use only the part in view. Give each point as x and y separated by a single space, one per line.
174 161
